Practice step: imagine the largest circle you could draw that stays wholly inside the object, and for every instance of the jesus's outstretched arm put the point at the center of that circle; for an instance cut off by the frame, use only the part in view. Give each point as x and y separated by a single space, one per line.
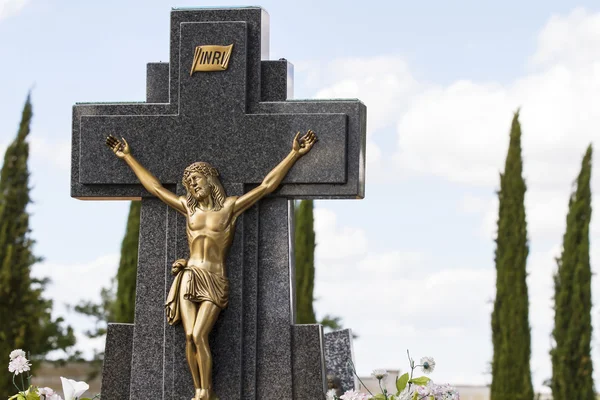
148 180
300 146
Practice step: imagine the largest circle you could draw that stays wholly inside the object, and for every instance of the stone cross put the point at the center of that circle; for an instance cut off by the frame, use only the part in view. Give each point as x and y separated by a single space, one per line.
239 120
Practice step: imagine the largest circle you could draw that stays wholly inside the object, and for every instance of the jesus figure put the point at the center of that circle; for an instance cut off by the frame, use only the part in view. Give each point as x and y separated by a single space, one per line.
201 288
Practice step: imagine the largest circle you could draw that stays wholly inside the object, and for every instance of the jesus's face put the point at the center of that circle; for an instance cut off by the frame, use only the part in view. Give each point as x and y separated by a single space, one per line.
198 186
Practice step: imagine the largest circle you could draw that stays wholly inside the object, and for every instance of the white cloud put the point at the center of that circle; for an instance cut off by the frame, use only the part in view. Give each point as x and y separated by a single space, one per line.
333 242
44 153
72 283
471 204
376 170
9 8
459 133
574 38
57 154
399 299
393 262
383 83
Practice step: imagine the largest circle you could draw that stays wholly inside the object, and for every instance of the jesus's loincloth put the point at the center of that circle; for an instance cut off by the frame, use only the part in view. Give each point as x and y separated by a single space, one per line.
202 286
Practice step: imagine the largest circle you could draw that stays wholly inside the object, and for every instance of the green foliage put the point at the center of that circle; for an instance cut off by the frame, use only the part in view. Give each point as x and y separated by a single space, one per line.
305 263
571 355
421 381
124 307
304 240
401 382
26 316
119 305
101 312
331 323
511 334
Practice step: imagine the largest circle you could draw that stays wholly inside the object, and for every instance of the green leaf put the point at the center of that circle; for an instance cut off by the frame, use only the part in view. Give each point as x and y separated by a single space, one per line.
401 382
379 396
85 398
33 396
416 396
421 381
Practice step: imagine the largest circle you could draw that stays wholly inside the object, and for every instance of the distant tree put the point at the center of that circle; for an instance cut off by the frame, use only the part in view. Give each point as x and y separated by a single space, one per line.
511 334
25 315
116 304
305 263
124 307
304 240
571 355
101 313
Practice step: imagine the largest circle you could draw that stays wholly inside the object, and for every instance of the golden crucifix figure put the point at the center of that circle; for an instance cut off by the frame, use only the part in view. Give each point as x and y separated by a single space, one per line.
201 289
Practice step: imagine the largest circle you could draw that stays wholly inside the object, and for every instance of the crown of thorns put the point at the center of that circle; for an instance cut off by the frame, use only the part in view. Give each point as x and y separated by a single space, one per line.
201 167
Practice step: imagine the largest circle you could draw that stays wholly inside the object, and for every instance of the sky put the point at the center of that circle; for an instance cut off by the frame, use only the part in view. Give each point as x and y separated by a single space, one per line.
412 265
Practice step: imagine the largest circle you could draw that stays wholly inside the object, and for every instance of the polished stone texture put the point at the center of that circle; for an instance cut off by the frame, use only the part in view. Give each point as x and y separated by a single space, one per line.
338 356
308 362
116 370
241 121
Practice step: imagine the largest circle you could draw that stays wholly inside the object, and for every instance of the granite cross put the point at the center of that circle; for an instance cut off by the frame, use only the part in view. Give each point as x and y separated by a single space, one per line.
239 120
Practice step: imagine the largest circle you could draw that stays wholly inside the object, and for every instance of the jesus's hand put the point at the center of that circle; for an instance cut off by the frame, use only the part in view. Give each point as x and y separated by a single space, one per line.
120 149
302 145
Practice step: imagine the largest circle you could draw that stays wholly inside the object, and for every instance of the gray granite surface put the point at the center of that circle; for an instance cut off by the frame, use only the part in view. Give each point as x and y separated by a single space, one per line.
338 355
167 134
241 121
157 82
308 362
116 370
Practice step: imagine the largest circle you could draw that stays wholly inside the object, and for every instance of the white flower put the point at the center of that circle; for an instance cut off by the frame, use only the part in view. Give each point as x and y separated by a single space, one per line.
17 353
426 391
49 394
46 391
445 392
354 395
427 364
406 394
72 389
379 374
19 365
331 393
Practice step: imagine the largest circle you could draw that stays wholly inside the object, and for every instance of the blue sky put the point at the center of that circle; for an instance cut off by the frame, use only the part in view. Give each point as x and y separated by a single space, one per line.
411 266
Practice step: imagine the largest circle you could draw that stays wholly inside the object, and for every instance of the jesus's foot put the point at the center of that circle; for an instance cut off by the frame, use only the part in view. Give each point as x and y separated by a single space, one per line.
200 394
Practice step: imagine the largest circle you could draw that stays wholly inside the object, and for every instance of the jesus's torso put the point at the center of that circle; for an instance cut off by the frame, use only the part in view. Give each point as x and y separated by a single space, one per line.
210 234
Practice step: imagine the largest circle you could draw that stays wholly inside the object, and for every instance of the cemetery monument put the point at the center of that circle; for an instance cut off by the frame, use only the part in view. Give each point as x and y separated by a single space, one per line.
219 105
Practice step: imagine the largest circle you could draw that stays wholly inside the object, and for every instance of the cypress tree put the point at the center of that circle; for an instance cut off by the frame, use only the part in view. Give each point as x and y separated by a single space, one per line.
305 262
511 334
26 316
571 355
124 306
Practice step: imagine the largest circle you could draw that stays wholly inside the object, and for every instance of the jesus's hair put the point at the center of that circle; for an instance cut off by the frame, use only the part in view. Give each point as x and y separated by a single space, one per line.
217 193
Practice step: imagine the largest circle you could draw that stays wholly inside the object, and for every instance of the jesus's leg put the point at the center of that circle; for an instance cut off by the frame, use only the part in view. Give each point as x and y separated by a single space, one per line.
188 311
207 316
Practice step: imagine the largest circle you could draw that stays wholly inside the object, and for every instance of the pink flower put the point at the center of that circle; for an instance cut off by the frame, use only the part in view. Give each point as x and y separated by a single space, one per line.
49 394
355 395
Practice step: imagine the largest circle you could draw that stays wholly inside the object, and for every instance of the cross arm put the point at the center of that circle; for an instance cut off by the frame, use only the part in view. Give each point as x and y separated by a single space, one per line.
354 147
